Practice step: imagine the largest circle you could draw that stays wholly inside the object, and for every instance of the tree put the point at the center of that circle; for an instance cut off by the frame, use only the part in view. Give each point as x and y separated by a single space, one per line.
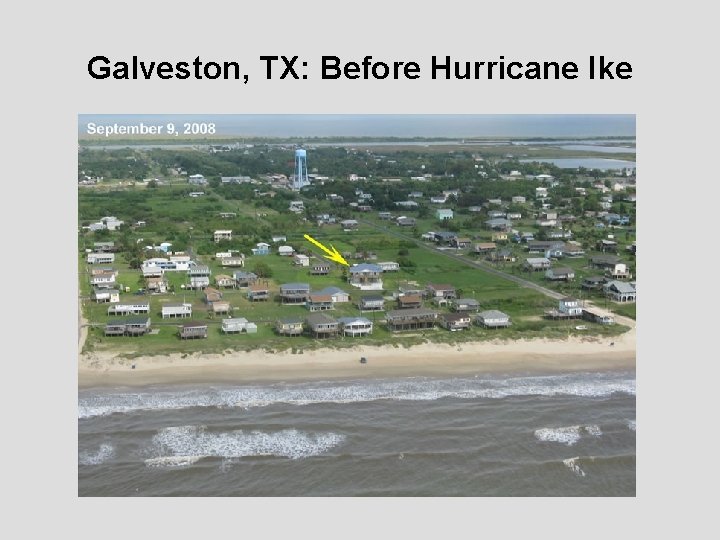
262 270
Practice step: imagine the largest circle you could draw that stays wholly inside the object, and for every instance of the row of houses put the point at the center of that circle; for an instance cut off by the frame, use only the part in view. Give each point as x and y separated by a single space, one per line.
322 325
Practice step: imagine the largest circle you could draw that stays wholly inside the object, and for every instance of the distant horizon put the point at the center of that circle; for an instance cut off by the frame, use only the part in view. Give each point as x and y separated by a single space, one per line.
391 125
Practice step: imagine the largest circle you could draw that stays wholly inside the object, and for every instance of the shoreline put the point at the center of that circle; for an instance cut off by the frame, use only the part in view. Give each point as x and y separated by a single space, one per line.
105 369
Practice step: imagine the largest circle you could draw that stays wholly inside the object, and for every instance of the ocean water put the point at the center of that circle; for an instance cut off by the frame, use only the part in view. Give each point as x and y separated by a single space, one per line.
518 435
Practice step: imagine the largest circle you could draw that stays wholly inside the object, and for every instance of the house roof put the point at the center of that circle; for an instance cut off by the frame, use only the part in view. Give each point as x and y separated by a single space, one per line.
409 313
469 301
372 298
258 288
238 320
353 320
331 290
193 324
537 260
320 318
365 267
621 286
454 317
291 320
562 270
492 314
294 286
316 297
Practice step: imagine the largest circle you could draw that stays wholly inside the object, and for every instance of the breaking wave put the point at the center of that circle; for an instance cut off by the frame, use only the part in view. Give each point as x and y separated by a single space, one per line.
103 454
571 464
185 445
591 385
632 425
568 435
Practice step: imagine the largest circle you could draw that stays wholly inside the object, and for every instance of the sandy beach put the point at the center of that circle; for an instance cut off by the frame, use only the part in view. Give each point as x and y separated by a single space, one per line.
497 356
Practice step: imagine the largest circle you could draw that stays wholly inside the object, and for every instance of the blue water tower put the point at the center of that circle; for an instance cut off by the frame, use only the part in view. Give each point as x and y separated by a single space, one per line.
300 178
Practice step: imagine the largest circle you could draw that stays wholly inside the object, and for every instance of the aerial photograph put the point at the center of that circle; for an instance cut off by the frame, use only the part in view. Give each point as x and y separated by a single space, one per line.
356 305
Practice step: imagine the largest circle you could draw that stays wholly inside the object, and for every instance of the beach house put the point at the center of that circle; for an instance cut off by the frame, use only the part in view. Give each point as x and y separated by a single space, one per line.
320 269
322 325
105 295
225 281
493 318
441 294
465 304
294 293
244 279
133 326
258 292
319 302
193 330
410 319
171 311
220 235
289 326
409 301
261 248
129 308
371 303
455 321
561 273
620 291
366 276
234 326
355 326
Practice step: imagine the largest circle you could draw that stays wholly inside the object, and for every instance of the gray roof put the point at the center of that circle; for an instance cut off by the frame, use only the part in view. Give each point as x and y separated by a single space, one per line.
294 286
331 290
365 267
493 314
351 320
470 301
320 318
373 298
621 286
291 320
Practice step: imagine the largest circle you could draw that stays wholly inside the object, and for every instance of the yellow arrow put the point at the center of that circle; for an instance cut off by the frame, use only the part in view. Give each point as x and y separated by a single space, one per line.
332 254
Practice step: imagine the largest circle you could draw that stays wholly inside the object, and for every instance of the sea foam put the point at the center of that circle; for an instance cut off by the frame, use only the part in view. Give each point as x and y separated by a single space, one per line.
590 385
185 445
569 435
103 454
571 464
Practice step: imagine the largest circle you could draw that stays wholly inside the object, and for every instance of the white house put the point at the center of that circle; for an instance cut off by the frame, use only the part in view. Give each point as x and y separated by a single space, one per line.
286 251
336 294
301 260
443 214
129 308
103 279
570 306
389 266
355 326
197 179
234 260
106 295
222 235
234 325
176 310
100 258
